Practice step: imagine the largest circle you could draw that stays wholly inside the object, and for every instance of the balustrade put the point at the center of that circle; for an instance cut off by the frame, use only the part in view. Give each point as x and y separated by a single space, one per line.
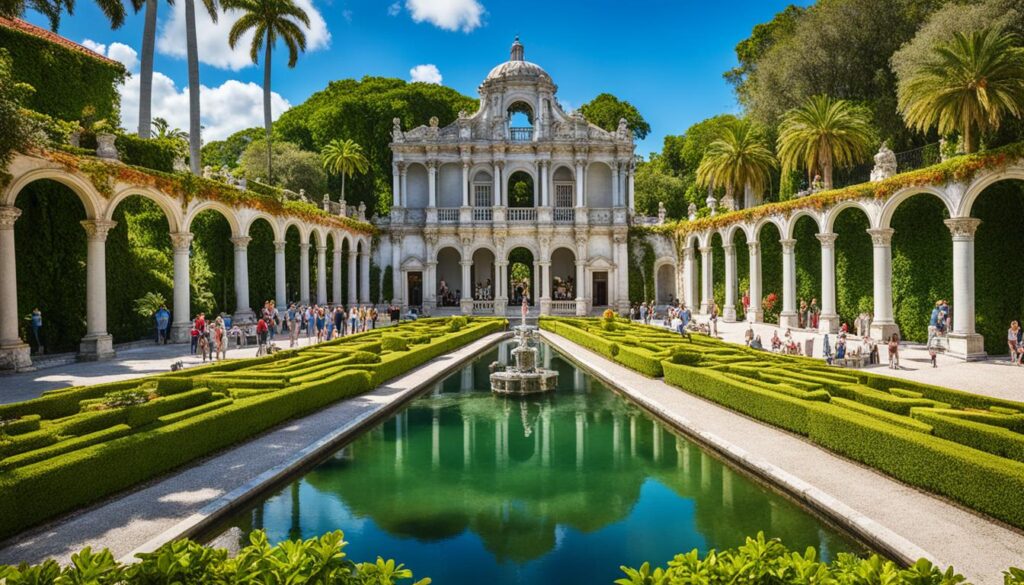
522 214
600 216
447 215
521 134
483 214
565 215
563 307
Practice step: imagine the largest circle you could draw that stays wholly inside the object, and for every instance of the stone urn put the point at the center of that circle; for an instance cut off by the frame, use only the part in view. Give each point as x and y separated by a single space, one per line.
105 146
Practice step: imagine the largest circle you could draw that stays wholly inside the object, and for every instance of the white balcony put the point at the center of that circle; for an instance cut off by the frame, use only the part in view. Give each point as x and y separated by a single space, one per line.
522 215
447 215
483 214
565 215
563 307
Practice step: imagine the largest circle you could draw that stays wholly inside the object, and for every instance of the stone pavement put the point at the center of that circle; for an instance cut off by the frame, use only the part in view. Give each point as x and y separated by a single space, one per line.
129 363
183 501
994 377
911 523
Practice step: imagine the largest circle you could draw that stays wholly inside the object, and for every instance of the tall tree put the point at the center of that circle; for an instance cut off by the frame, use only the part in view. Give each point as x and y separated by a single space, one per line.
822 134
969 87
53 9
195 140
146 64
345 158
606 110
738 158
270 21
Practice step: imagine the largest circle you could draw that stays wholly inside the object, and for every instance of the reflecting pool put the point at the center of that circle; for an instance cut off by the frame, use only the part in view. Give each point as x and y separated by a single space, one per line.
466 487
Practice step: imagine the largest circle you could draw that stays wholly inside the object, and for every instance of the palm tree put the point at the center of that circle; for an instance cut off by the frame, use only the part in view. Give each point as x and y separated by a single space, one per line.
163 129
738 158
344 157
195 140
822 134
52 9
270 20
146 64
971 85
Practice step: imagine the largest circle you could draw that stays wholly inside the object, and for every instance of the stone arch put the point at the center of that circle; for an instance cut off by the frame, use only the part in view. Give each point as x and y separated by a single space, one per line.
599 184
481 186
518 284
172 211
890 206
299 226
449 271
521 174
979 184
563 273
274 225
418 185
482 273
222 209
755 230
80 186
828 220
796 217
665 280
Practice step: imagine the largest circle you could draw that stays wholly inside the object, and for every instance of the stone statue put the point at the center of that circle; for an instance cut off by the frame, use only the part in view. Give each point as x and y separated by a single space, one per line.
885 164
434 121
396 130
691 212
712 203
661 213
623 132
362 211
302 194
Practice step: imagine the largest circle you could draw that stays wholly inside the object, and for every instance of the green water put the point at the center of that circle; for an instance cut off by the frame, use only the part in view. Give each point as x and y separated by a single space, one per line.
466 487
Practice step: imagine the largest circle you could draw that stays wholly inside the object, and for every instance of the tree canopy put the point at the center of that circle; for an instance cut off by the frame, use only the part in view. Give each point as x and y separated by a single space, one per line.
294 169
606 110
228 152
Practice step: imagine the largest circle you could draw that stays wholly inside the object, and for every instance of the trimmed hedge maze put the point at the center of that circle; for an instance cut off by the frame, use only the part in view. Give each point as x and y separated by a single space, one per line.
963 446
73 446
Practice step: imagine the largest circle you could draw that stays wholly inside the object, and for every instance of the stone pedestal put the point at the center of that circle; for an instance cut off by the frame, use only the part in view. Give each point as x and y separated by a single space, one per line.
545 306
729 314
968 347
17 357
581 307
828 323
467 306
755 316
791 320
883 330
96 347
181 332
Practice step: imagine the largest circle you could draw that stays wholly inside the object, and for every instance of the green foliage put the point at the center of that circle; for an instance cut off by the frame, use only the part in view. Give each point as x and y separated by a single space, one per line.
228 152
641 268
362 110
397 343
854 273
66 81
375 295
344 158
922 264
822 134
77 457
152 153
314 560
16 132
765 560
294 169
388 284
653 185
148 304
520 191
739 157
606 110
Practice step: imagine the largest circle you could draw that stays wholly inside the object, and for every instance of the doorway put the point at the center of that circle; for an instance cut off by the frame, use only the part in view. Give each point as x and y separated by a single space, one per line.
414 281
600 289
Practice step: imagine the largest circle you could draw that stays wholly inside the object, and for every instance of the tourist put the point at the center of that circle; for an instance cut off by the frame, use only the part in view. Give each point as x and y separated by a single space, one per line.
162 318
1012 340
643 312
894 352
353 319
321 324
338 316
373 317
945 317
933 355
756 343
294 321
801 316
746 301
748 335
815 313
841 348
826 350
204 346
261 337
714 319
36 322
220 340
328 323
686 316
677 324
776 342
933 322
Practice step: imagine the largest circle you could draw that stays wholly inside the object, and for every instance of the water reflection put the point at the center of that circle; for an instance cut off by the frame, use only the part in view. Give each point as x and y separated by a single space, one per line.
519 490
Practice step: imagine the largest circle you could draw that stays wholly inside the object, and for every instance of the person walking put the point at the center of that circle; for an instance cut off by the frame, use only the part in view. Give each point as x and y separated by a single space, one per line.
353 319
373 317
220 340
339 320
36 322
894 352
261 337
162 317
294 320
1012 337
714 319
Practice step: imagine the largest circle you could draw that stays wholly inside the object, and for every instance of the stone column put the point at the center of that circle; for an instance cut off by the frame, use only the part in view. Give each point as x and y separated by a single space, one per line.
544 283
498 183
181 326
396 195
280 282
336 275
97 343
964 341
579 182
629 186
755 314
364 277
15 354
545 198
622 273
828 321
615 186
689 280
243 310
403 184
729 310
882 324
707 290
431 184
304 273
396 270
352 292
321 274
465 184
467 287
581 305
788 317
430 285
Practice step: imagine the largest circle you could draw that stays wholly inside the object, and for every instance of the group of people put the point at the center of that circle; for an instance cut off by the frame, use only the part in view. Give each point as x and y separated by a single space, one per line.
1015 341
564 289
446 297
808 315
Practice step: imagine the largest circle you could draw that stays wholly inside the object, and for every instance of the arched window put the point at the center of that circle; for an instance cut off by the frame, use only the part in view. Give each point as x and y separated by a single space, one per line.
520 121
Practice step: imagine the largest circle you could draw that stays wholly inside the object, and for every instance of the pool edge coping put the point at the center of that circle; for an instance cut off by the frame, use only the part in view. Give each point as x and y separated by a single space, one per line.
223 505
872 532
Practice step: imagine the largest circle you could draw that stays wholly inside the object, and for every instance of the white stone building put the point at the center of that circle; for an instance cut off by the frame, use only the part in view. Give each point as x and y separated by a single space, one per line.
519 188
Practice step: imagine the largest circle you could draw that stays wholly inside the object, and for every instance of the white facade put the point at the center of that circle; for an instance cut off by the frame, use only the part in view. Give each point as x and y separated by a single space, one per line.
454 220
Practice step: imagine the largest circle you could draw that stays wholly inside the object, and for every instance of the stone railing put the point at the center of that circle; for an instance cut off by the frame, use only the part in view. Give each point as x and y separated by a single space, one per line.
447 215
483 307
565 215
483 214
522 214
563 307
600 216
415 216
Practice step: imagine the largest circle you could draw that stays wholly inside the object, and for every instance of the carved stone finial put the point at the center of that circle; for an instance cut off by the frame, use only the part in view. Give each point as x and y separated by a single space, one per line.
885 164
661 212
396 130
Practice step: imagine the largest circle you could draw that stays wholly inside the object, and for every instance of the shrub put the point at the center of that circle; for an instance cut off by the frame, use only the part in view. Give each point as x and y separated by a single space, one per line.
120 398
456 323
395 343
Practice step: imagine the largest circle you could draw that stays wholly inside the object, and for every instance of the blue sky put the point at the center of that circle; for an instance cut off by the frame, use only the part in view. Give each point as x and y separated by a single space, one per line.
665 57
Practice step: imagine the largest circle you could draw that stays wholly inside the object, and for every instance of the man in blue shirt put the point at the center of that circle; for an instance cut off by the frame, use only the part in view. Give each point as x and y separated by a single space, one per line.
163 318
37 325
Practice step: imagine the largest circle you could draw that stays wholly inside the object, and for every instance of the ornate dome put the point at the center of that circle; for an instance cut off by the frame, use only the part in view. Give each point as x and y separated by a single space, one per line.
517 68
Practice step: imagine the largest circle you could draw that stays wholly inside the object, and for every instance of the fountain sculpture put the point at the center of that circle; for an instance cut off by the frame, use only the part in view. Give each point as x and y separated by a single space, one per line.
524 377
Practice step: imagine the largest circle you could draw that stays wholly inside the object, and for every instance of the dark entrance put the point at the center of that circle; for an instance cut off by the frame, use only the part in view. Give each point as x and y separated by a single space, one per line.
415 282
600 289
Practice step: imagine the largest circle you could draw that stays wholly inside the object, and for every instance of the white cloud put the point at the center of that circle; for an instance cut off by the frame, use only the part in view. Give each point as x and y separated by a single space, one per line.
225 109
394 9
212 37
427 73
117 51
451 15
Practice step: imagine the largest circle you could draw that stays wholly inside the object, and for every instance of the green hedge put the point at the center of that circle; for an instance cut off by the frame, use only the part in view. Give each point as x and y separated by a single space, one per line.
172 430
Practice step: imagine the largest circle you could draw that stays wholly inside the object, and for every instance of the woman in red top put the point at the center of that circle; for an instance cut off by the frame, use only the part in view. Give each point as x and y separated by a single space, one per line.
894 352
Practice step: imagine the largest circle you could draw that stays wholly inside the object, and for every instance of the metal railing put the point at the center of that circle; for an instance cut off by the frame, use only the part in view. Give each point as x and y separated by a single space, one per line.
447 215
564 215
521 134
483 214
522 214
908 160
563 307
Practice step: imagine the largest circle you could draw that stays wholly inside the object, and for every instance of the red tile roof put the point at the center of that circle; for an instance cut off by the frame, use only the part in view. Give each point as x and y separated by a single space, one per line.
41 33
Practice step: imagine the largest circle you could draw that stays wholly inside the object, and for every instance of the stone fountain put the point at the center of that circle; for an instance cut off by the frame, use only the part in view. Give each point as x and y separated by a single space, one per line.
524 377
